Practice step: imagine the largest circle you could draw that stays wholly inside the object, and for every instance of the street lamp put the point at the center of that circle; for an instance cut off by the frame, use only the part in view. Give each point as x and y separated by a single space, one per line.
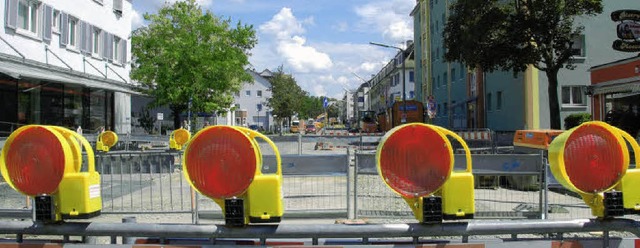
404 95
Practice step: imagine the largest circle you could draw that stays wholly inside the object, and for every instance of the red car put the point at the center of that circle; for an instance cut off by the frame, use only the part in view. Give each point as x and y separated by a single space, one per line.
310 128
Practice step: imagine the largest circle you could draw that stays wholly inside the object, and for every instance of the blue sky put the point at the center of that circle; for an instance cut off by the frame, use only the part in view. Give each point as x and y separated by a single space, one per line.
321 43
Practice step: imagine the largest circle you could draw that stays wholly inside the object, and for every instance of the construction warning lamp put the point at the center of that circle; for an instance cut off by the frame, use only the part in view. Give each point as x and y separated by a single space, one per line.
416 161
106 140
44 162
592 160
178 138
224 163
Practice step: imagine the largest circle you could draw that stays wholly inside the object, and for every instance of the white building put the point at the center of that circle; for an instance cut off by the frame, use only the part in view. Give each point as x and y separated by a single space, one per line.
250 104
66 63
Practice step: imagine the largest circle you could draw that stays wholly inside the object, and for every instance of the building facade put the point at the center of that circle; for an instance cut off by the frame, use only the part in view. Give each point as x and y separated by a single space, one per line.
66 63
511 102
387 85
250 104
615 87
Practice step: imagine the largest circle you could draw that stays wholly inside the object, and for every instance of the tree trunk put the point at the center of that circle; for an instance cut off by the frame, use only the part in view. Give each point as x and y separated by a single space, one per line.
554 106
176 110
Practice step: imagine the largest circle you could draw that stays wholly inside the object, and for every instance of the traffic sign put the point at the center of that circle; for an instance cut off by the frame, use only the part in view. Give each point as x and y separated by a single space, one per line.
160 116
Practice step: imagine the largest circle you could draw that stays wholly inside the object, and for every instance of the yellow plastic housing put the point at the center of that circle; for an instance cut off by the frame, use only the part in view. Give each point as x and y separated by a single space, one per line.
78 193
179 138
629 179
106 140
263 199
457 192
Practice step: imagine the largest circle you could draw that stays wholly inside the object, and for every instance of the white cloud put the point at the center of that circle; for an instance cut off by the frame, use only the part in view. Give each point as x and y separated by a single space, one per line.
136 20
319 90
391 18
285 31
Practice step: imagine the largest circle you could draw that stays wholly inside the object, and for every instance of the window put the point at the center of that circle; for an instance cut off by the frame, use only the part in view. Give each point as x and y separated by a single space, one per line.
411 76
116 48
499 100
453 74
446 109
259 93
55 24
489 103
578 47
117 7
438 82
247 93
95 41
445 79
73 28
573 95
28 15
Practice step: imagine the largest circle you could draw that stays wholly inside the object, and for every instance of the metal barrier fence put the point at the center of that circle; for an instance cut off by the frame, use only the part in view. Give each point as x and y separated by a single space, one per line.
330 183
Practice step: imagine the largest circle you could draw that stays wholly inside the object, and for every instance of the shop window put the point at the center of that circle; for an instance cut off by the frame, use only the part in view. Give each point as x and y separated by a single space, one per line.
573 95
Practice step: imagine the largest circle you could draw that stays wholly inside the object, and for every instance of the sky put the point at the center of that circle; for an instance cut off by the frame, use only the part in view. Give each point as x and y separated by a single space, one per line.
324 44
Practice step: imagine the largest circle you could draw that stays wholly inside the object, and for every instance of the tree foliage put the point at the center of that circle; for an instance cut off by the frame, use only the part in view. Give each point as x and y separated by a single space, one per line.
286 96
185 54
511 35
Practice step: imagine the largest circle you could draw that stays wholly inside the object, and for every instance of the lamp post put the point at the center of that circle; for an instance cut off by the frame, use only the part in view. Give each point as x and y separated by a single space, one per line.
404 95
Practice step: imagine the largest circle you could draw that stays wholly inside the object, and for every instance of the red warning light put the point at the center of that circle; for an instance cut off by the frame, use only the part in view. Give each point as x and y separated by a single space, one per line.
593 158
411 166
35 161
221 162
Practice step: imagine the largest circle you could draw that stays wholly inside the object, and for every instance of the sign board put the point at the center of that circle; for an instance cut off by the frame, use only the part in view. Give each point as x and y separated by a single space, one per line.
629 30
626 46
625 15
160 116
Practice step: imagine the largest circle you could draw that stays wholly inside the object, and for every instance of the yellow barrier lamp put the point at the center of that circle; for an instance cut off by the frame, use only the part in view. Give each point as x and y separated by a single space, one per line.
592 160
44 162
416 161
224 163
106 140
178 138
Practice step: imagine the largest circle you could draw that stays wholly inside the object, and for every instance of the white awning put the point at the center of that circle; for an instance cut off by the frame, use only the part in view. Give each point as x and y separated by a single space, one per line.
35 71
617 88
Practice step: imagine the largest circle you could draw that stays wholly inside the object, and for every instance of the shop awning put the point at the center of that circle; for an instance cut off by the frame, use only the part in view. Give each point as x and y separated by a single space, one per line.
35 70
616 88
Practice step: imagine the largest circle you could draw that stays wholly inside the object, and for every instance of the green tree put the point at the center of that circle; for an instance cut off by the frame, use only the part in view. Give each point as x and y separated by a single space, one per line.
311 107
146 120
286 96
510 35
187 55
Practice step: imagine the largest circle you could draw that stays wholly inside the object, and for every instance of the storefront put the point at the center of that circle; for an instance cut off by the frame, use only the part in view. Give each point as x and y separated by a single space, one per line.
615 89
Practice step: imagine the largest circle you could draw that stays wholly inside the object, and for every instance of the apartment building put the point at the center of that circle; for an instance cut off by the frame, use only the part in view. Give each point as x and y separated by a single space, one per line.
388 84
66 63
500 100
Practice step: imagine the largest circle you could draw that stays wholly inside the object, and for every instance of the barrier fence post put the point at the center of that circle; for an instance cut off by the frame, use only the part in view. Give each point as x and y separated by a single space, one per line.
545 182
299 143
355 186
543 205
350 177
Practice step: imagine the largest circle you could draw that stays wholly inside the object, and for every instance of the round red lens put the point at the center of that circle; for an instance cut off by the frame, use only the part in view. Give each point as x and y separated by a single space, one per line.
35 161
221 162
415 161
593 159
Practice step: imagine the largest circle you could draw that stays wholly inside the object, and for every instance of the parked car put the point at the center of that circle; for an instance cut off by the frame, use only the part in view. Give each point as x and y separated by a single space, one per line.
310 128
